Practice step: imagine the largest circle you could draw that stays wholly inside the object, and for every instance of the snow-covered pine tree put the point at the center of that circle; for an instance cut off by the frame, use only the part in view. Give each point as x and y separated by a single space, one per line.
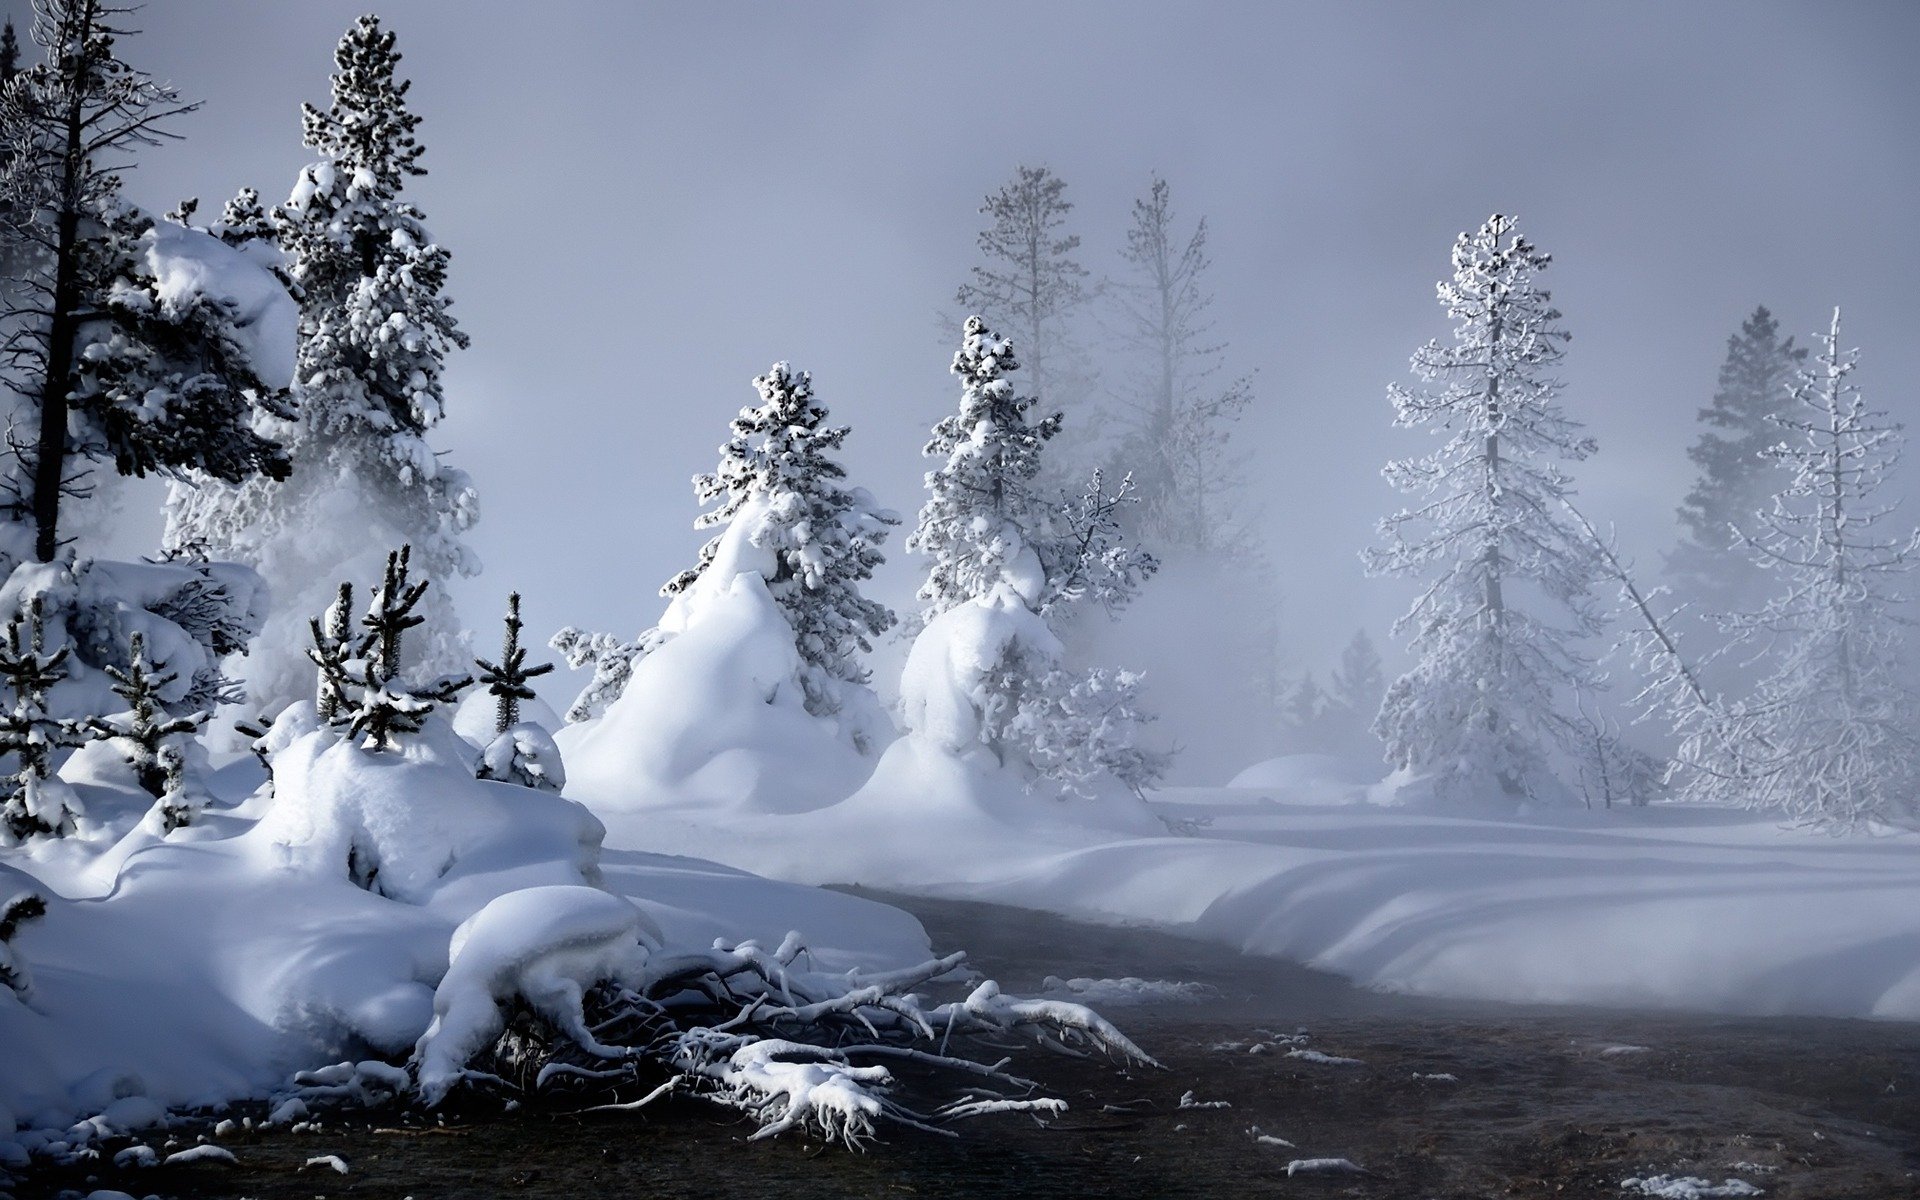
375 330
986 520
146 730
9 54
369 694
999 545
1507 597
34 799
1030 281
778 481
1829 735
508 680
990 520
245 220
1182 406
111 367
332 652
1737 478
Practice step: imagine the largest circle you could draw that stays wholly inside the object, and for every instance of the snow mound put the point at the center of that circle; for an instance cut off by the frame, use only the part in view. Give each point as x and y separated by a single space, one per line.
415 825
1308 779
715 717
546 946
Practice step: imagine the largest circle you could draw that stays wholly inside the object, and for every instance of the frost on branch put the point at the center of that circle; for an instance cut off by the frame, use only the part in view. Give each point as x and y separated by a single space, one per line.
566 988
1073 728
611 661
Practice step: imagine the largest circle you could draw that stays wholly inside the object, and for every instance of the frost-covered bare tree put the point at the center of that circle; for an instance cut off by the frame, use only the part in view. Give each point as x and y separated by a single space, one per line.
1495 631
375 332
1030 282
1829 735
1183 405
111 365
778 483
1737 476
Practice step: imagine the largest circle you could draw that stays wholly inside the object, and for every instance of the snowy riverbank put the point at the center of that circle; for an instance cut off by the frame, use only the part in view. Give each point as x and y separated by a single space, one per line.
1665 907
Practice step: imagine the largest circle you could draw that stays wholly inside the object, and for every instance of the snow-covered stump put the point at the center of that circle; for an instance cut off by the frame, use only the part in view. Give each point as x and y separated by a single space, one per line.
563 992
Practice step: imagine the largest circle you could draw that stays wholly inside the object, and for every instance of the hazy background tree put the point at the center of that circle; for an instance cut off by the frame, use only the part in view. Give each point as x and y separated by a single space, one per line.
1737 478
1176 406
1031 284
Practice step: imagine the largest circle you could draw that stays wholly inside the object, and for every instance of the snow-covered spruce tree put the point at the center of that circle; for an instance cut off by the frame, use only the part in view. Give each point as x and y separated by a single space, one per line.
989 520
1829 735
33 799
361 685
520 752
997 544
111 365
1507 595
779 484
1737 476
146 731
1183 407
375 330
1030 282
508 680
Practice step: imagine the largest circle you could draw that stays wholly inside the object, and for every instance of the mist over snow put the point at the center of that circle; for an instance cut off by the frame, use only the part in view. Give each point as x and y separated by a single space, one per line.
503 538
633 245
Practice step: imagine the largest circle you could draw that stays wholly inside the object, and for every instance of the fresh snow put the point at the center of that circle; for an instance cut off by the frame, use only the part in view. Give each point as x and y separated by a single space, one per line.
1665 907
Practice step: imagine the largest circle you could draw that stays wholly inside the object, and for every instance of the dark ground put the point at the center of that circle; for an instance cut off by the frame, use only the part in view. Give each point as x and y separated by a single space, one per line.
1547 1103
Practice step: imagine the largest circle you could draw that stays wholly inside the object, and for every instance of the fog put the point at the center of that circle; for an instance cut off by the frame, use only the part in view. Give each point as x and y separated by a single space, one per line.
649 204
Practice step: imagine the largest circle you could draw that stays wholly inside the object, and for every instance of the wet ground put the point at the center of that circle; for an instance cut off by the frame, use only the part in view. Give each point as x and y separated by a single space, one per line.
1444 1101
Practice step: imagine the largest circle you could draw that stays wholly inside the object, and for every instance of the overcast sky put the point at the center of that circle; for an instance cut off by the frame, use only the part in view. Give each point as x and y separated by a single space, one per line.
647 204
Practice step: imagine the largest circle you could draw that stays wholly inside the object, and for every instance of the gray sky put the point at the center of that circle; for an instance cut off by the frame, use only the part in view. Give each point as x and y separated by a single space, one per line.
648 204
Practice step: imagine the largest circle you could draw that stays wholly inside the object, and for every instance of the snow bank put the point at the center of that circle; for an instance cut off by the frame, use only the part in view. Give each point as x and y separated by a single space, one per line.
415 825
325 921
1308 779
1659 908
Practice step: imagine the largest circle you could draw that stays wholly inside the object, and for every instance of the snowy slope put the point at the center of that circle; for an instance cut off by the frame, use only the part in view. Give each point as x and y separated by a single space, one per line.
1664 907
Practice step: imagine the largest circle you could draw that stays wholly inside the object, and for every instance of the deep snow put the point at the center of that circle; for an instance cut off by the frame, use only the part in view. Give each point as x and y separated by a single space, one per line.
1663 907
